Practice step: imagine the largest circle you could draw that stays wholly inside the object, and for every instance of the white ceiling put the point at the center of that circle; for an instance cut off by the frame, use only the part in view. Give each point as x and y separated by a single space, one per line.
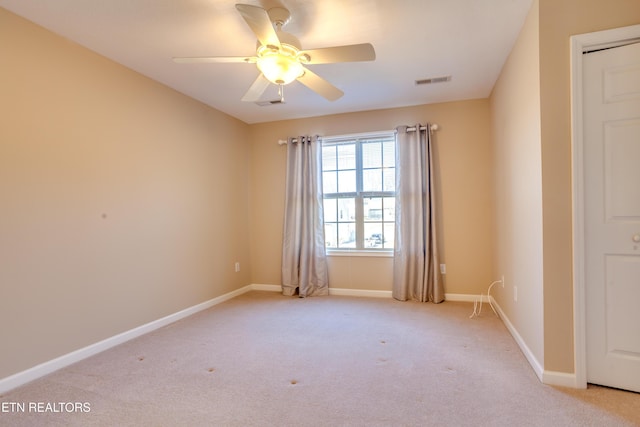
413 39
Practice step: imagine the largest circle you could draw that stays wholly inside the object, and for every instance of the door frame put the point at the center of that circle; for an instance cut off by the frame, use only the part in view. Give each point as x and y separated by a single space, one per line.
580 44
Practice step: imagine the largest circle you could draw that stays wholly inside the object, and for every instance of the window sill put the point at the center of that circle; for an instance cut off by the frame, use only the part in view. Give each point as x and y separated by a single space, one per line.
359 253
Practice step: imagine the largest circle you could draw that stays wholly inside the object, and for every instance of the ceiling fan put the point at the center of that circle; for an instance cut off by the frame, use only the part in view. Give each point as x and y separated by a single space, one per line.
280 57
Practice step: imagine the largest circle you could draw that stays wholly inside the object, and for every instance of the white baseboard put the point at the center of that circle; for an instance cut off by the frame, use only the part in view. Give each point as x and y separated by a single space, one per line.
21 378
332 291
461 297
50 366
563 379
359 293
528 354
364 293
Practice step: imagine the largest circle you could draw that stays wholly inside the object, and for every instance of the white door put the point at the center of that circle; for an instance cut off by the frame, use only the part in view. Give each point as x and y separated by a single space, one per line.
612 215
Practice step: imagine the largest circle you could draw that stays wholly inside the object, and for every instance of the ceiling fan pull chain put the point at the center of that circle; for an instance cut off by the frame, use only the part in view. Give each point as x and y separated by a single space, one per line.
281 92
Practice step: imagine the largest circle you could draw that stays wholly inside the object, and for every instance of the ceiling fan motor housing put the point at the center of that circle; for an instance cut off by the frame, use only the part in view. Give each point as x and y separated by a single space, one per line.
279 16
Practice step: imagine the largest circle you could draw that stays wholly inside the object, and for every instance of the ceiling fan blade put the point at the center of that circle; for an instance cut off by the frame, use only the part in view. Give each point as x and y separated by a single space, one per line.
210 59
320 85
257 89
258 20
348 53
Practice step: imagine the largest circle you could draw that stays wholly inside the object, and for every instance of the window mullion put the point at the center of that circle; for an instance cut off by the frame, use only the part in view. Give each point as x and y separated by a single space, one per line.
359 199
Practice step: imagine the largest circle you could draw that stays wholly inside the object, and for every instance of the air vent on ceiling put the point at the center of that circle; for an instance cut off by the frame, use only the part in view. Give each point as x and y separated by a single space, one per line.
433 80
267 103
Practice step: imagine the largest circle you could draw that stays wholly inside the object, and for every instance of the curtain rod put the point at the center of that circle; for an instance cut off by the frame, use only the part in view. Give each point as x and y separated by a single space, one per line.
434 127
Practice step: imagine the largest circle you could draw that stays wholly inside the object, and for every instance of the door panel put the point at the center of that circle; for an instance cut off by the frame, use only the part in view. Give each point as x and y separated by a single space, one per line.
612 215
621 299
621 153
621 83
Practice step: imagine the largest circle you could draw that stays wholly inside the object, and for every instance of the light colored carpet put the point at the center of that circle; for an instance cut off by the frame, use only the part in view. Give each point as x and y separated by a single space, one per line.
262 359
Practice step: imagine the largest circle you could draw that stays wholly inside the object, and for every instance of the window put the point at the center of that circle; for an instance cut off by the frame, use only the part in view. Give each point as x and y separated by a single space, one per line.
358 178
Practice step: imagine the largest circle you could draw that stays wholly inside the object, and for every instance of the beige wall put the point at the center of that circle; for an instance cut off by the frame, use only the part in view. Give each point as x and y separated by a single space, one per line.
122 201
462 149
559 19
515 113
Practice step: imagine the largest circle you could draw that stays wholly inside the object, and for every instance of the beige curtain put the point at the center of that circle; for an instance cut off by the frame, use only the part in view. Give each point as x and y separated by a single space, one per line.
416 273
304 262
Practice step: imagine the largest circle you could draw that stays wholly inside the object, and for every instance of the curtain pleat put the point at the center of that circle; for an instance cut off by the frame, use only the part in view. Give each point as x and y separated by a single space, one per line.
304 263
416 274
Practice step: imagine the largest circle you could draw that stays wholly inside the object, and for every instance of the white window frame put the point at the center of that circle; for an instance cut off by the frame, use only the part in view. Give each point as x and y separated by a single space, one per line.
359 195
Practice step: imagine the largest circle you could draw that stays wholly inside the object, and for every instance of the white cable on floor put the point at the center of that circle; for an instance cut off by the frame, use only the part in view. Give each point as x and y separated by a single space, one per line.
477 304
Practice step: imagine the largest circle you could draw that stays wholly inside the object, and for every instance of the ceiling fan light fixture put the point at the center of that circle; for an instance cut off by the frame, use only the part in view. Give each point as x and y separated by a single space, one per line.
279 68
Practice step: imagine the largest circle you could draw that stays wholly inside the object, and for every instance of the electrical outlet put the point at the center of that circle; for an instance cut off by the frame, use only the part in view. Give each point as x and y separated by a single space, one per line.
515 293
237 266
443 268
